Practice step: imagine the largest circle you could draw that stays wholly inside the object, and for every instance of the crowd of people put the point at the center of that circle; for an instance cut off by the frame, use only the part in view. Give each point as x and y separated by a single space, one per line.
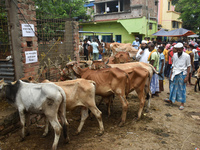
177 61
96 48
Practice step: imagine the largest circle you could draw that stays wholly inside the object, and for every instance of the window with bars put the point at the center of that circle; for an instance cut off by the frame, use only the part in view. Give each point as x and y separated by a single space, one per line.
175 24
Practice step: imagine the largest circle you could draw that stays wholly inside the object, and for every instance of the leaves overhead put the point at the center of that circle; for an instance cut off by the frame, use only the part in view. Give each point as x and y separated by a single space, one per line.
64 8
190 13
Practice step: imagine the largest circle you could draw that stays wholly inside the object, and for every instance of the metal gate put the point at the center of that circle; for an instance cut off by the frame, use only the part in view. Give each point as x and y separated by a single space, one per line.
6 62
52 45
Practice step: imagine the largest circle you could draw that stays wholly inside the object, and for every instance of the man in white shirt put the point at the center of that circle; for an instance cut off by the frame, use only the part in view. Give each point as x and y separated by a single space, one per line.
136 43
143 53
179 75
95 47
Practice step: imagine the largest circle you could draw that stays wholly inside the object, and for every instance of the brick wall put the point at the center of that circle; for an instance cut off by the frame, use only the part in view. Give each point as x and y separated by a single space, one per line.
27 8
22 12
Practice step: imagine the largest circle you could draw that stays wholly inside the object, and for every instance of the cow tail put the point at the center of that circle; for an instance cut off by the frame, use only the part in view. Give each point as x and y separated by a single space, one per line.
154 71
62 110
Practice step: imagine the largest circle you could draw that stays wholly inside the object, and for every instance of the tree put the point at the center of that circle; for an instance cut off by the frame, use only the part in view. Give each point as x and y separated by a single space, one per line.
61 8
174 2
190 13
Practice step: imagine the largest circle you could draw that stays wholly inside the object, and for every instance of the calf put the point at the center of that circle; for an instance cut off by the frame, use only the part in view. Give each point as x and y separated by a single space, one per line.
197 75
41 98
81 92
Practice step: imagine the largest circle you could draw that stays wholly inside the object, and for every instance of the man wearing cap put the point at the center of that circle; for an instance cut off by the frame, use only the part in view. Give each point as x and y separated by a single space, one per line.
136 43
179 76
143 53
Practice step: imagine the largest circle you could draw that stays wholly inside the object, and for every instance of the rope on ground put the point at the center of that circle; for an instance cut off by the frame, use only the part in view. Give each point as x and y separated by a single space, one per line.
185 141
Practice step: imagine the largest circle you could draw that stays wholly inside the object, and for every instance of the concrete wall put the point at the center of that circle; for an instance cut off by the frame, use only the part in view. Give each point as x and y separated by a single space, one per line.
167 16
136 8
72 39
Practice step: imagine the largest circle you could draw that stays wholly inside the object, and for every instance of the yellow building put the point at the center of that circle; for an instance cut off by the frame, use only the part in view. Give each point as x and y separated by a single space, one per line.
167 16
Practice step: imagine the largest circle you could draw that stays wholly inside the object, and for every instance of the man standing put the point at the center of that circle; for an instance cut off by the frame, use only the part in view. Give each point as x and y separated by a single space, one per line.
136 43
85 46
154 61
95 46
143 53
179 76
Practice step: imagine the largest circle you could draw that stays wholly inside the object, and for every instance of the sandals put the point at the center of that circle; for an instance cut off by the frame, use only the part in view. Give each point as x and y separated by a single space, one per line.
181 107
167 100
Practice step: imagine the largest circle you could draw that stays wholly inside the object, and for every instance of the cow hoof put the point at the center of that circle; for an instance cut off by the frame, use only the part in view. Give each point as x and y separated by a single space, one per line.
27 133
121 124
147 110
21 139
44 135
100 133
76 133
67 140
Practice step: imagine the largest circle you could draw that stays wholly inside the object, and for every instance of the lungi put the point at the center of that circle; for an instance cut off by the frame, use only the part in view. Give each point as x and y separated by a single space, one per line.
178 89
154 85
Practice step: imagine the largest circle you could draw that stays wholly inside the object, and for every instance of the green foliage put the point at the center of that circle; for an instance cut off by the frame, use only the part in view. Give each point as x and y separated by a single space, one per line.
190 13
61 8
174 2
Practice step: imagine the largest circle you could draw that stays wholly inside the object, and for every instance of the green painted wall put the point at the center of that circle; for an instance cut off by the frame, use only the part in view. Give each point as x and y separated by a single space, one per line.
153 30
137 25
127 28
114 27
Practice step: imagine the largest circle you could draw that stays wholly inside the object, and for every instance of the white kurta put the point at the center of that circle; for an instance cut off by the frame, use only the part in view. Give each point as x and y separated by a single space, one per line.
144 56
180 64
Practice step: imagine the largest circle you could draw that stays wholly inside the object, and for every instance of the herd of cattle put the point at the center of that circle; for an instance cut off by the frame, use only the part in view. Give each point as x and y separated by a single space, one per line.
53 99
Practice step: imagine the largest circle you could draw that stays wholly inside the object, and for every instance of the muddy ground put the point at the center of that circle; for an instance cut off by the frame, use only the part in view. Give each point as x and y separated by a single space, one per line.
164 127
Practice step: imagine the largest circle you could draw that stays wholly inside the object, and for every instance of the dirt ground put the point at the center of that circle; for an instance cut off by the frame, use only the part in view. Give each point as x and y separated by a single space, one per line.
164 127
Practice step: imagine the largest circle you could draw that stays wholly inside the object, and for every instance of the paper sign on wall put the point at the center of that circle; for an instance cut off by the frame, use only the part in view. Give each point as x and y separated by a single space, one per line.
28 30
31 57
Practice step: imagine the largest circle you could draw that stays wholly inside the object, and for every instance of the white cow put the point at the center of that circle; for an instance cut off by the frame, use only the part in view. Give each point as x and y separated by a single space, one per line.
41 98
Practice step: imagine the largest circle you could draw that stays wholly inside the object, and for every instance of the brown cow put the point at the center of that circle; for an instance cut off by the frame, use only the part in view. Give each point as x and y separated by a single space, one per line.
124 47
90 51
81 92
150 69
108 81
111 81
108 49
138 77
121 57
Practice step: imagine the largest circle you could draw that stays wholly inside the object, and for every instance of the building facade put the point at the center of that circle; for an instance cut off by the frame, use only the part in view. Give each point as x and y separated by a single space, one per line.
168 18
126 19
